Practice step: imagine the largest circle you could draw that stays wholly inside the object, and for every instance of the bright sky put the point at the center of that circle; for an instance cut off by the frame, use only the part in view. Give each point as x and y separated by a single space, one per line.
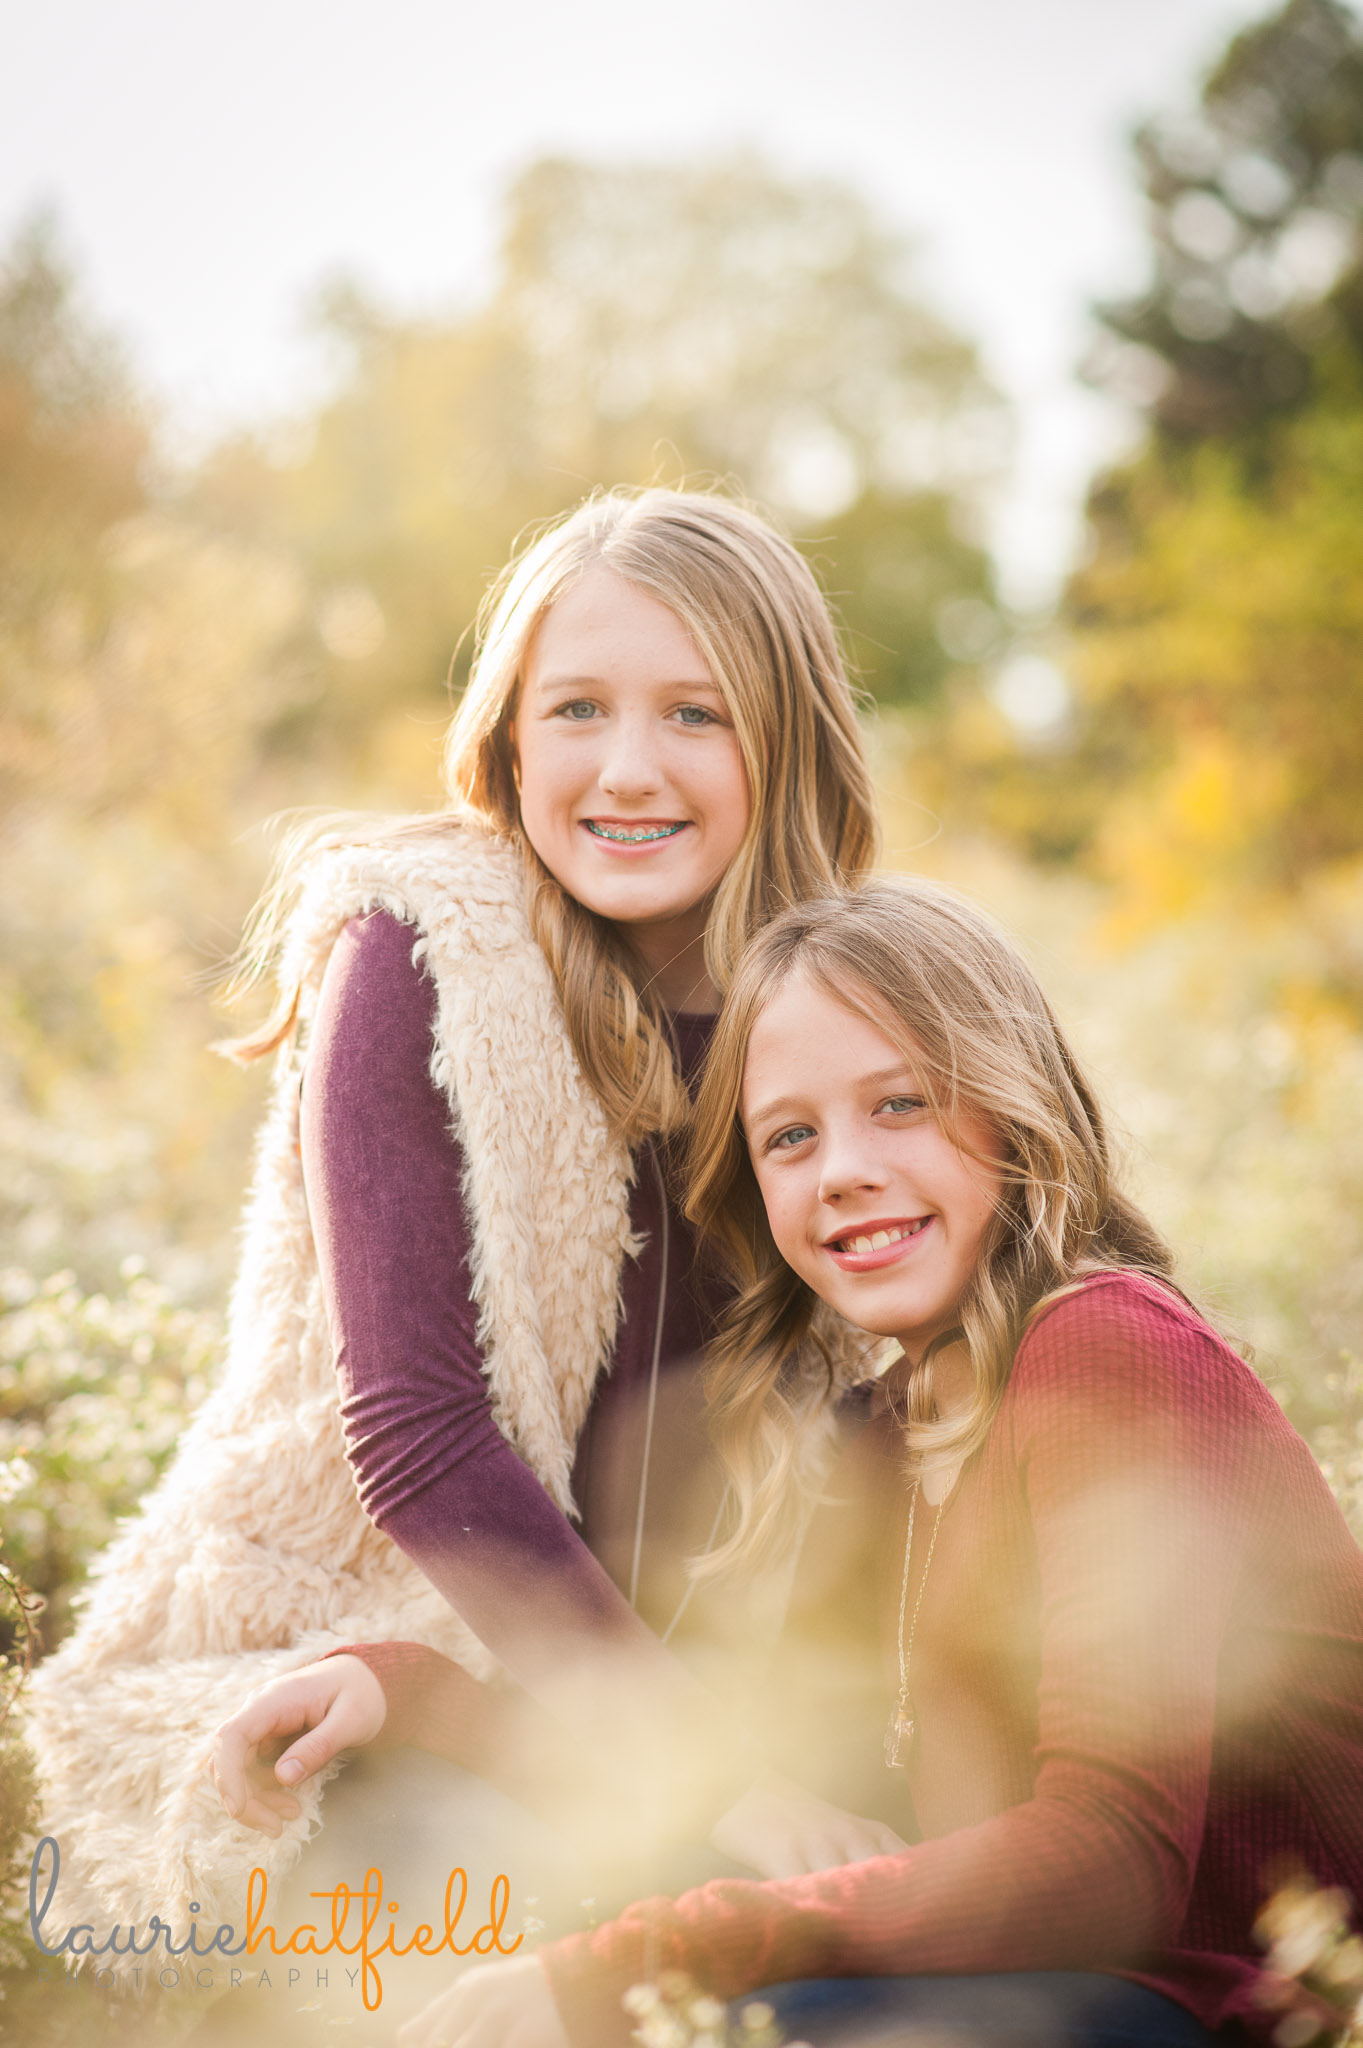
210 160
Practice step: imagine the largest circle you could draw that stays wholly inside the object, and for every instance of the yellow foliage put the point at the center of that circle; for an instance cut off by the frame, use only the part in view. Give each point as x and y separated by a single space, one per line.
1217 651
1183 839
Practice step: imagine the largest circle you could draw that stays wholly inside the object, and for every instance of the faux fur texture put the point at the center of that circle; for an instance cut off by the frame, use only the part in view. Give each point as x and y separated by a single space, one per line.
253 1555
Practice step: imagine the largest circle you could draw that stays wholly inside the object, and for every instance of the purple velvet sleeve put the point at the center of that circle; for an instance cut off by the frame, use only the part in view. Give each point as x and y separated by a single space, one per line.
383 1174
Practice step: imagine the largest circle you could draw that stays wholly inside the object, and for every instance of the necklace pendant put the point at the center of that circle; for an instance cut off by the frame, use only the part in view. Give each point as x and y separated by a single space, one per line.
898 1737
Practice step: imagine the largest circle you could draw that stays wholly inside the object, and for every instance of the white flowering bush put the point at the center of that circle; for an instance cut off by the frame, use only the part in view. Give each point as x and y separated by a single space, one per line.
94 1391
674 2013
19 1610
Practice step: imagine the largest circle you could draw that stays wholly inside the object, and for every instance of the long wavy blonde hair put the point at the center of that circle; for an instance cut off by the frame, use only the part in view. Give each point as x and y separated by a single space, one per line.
755 612
943 982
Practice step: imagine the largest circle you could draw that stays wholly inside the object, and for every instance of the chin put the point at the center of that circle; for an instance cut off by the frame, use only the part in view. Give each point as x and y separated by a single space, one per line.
906 1324
642 902
876 1323
625 909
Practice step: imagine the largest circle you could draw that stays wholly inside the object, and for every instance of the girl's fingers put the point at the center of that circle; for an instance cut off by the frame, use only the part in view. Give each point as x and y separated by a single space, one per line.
264 1807
497 2005
237 1742
351 1712
282 1804
311 1752
433 2024
866 1843
229 1764
802 1855
789 1859
255 1815
239 1772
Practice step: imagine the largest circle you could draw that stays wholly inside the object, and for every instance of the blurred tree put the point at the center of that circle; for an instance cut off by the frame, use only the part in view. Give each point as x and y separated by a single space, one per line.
143 663
647 323
1218 654
72 440
109 703
1213 639
72 448
1255 199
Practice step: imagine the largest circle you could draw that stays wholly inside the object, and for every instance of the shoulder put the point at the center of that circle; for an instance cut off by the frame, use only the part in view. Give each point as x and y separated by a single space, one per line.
1126 1350
417 867
375 1013
462 889
1117 1302
1110 1318
377 958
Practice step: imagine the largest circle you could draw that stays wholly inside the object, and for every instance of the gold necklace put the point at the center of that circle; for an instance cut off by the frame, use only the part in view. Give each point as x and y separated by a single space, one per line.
902 1726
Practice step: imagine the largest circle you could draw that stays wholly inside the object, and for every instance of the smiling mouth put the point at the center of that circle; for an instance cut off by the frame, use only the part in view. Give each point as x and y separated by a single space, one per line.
633 835
876 1240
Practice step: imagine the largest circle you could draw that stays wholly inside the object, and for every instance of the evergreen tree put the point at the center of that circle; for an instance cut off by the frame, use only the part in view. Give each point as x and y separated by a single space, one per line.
1255 203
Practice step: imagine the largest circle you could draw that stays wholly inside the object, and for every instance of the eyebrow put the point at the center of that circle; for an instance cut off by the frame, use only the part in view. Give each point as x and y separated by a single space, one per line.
548 684
784 1105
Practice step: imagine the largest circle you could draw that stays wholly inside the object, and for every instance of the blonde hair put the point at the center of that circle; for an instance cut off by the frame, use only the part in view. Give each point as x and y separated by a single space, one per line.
751 604
942 980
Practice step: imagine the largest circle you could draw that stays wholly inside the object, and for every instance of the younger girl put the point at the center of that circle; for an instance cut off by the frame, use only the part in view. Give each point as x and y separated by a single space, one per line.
1122 1617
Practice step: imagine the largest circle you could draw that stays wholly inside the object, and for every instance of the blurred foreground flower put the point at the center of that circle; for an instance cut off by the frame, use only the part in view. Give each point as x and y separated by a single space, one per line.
94 1392
1313 1972
673 2013
19 1611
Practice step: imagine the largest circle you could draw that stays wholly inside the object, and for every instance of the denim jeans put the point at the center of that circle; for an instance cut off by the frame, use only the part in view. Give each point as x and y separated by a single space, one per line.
1024 2009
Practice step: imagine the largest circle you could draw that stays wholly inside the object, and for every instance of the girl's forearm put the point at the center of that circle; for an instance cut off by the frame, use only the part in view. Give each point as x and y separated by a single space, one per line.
1049 1885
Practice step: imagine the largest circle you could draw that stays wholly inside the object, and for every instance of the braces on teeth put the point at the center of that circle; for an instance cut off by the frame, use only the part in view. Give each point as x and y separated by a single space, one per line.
631 836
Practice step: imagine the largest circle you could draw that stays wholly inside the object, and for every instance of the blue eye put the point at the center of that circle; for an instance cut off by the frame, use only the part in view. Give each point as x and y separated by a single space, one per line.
793 1135
695 715
577 712
903 1105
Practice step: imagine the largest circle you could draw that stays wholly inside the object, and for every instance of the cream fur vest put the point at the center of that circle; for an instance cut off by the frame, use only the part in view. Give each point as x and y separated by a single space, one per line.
253 1555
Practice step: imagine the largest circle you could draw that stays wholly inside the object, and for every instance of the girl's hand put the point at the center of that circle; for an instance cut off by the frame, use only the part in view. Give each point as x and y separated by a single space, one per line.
493 2005
780 1830
334 1705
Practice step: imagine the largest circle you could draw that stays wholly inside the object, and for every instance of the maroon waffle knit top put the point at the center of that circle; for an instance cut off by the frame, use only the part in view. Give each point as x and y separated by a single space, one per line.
1137 1674
383 1173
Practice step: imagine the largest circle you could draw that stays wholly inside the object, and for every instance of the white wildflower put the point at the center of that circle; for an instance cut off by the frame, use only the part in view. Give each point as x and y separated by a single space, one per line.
15 1475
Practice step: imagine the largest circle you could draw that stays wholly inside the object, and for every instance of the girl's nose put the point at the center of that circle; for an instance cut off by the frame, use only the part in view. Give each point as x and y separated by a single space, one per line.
630 767
848 1167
